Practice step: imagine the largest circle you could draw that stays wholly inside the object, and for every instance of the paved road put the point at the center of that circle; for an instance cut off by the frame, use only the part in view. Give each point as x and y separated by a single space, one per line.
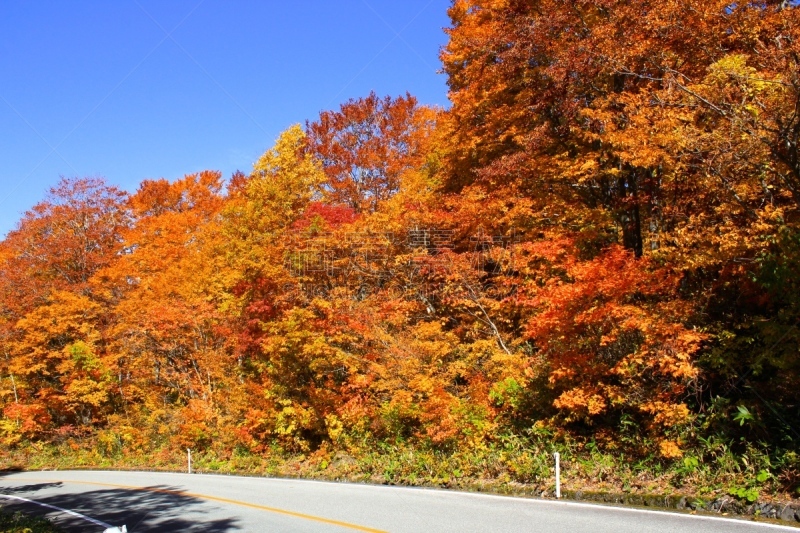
161 502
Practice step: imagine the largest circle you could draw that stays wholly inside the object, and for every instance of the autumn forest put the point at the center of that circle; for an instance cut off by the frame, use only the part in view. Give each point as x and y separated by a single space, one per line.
595 250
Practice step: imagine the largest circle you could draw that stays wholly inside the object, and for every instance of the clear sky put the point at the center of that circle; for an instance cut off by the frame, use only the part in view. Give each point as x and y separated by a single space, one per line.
137 89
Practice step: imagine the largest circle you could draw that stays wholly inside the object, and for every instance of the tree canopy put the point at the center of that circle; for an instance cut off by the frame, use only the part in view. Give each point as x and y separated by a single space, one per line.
599 240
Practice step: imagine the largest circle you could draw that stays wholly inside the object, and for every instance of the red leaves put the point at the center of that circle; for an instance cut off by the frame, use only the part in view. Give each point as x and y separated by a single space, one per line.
62 242
608 337
366 146
321 217
29 419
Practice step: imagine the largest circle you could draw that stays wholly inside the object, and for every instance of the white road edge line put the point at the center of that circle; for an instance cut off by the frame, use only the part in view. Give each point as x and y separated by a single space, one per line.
667 512
59 509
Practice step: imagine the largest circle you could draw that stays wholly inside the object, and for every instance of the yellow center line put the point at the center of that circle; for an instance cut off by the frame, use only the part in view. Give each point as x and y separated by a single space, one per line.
276 510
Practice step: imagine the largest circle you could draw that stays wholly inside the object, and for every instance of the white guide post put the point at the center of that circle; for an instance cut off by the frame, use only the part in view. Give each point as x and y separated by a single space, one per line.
558 474
189 459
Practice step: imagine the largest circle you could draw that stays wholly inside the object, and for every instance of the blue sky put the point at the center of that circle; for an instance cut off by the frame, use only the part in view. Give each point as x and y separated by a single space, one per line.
137 89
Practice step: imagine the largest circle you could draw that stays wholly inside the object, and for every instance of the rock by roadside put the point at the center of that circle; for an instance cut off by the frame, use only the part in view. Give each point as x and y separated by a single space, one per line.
789 512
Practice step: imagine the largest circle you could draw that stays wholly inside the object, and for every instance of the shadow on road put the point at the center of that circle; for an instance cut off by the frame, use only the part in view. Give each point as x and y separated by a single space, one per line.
158 508
30 489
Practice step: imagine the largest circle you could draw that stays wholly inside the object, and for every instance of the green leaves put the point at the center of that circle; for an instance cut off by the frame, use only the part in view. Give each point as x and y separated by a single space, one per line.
743 415
751 492
507 393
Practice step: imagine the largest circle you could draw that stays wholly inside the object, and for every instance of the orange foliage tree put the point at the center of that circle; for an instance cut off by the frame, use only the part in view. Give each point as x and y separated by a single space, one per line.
54 353
366 146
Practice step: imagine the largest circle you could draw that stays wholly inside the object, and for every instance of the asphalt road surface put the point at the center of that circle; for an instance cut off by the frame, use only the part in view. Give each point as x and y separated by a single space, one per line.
146 501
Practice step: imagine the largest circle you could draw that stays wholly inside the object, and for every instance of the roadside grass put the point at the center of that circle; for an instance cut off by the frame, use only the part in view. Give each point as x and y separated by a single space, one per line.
510 465
17 522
